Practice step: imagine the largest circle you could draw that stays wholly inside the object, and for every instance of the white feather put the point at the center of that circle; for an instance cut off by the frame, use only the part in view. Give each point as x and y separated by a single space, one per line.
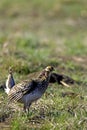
7 89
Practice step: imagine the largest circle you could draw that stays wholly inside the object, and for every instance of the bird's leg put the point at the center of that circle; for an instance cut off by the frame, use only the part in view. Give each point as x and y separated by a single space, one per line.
28 107
24 108
27 110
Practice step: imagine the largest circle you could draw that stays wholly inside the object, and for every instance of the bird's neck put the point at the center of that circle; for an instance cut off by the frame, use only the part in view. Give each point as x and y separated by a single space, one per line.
10 76
44 75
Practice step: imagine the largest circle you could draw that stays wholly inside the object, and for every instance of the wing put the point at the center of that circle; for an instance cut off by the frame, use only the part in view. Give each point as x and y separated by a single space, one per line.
54 77
61 79
17 92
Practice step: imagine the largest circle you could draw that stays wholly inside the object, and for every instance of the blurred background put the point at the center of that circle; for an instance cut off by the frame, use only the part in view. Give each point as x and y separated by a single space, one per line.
37 33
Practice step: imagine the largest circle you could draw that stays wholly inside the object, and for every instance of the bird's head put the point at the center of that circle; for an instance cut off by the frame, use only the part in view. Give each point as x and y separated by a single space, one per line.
49 68
46 72
10 70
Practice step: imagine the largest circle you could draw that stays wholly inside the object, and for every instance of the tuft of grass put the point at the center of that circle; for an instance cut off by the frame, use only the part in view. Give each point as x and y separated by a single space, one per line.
18 123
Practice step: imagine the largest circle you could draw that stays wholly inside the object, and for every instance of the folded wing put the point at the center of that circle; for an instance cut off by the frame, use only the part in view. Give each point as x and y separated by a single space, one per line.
17 92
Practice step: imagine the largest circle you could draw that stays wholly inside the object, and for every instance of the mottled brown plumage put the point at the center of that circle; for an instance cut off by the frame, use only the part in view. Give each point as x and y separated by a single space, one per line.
30 90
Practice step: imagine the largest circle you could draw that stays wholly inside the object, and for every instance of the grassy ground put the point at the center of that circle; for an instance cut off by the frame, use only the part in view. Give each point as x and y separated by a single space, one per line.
34 34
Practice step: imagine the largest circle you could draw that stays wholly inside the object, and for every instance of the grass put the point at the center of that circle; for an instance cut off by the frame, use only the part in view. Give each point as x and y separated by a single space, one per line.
34 34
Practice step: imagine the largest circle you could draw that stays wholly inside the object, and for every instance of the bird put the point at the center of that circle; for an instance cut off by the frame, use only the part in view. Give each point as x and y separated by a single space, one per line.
54 77
10 81
61 79
30 90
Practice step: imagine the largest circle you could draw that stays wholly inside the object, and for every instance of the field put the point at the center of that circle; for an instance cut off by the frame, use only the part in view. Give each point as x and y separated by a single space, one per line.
33 35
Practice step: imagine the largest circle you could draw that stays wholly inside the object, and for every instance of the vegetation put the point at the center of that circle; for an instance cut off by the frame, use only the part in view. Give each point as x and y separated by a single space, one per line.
34 34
